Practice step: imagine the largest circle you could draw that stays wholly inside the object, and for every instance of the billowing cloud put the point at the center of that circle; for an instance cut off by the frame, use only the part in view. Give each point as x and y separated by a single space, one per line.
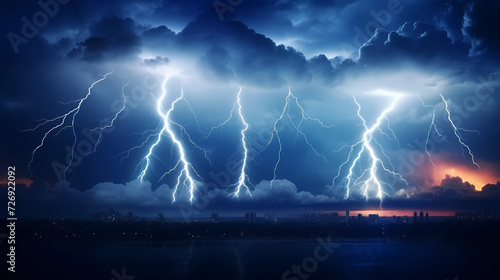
413 42
285 192
60 198
479 28
451 188
131 193
322 69
109 38
492 189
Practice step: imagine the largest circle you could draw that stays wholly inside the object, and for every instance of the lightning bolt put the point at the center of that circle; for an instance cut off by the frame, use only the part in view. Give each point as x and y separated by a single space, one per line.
144 139
285 113
185 176
243 178
457 132
366 145
61 125
222 124
432 127
471 131
111 123
73 123
393 134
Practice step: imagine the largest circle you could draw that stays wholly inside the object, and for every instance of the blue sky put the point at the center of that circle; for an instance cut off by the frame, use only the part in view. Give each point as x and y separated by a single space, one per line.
331 55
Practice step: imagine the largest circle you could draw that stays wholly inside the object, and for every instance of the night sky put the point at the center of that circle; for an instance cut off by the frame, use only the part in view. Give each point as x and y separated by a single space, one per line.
426 58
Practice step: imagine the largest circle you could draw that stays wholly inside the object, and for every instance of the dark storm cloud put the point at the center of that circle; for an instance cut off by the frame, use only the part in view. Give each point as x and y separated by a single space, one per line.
322 69
451 17
41 200
492 189
158 37
156 61
110 38
225 50
480 27
414 45
450 188
318 26
177 13
215 62
229 49
285 193
252 57
312 25
62 198
453 193
413 42
283 65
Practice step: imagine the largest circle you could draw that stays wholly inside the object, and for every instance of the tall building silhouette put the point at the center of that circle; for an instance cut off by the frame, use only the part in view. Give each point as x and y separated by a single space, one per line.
160 218
129 216
373 219
335 217
215 217
251 217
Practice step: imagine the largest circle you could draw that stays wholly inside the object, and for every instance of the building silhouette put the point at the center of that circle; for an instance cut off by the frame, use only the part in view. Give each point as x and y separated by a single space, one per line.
372 219
251 217
335 217
114 216
214 217
314 217
129 216
98 216
405 219
160 218
395 219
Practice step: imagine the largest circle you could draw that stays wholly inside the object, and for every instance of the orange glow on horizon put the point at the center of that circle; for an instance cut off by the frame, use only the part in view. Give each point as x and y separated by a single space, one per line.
19 181
478 178
390 212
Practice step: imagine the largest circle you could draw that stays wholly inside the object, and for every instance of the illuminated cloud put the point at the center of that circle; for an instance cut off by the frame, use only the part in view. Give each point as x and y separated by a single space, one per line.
285 192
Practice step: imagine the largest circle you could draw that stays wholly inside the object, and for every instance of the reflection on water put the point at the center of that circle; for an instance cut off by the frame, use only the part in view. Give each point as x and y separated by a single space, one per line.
256 259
